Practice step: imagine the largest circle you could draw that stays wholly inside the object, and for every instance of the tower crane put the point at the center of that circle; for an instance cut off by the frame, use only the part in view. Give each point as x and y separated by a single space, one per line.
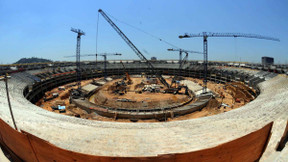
205 36
93 55
78 71
105 59
134 48
182 61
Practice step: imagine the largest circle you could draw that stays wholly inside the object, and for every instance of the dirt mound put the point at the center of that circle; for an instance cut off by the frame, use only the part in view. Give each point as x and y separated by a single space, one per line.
213 103
100 98
240 91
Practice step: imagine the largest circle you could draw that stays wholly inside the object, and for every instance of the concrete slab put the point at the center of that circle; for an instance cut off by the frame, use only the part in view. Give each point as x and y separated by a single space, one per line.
3 158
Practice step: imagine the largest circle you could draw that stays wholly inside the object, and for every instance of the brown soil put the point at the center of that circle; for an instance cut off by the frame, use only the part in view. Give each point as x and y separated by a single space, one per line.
148 100
64 100
224 94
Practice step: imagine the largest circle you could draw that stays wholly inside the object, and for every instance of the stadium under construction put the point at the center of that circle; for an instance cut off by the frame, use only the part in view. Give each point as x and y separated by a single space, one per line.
148 110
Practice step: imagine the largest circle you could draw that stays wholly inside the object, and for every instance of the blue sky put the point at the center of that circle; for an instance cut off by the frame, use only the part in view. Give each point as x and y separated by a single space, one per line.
42 28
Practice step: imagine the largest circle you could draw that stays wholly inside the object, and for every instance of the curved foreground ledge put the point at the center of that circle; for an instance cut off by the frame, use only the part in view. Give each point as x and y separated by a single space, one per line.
112 139
37 149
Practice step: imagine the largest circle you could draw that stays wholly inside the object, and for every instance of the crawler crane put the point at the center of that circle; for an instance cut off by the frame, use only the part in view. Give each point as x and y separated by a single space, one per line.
134 48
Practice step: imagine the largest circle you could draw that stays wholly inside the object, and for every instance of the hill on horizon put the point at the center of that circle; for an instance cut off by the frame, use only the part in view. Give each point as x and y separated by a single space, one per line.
32 60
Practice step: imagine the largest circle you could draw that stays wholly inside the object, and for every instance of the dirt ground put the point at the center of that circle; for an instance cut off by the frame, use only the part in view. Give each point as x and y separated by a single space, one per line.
63 100
222 95
225 100
149 100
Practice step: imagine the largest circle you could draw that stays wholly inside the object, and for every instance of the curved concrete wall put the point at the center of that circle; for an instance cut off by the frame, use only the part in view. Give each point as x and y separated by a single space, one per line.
31 148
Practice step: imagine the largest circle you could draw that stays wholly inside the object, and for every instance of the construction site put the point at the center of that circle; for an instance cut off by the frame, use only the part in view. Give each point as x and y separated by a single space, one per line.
144 110
142 94
148 95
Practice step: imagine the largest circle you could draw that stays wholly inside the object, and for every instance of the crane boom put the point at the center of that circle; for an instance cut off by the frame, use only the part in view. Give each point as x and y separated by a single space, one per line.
210 34
102 54
133 47
205 35
105 59
182 50
99 54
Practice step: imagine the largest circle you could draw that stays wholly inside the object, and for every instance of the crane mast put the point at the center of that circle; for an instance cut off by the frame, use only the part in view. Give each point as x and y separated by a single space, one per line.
182 61
102 54
205 35
134 48
79 34
105 60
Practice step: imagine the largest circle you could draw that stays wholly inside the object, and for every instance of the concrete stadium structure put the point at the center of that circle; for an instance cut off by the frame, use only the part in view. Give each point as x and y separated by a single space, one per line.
148 140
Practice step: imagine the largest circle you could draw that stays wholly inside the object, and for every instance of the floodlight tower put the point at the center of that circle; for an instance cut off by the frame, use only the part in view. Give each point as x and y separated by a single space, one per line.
205 35
78 70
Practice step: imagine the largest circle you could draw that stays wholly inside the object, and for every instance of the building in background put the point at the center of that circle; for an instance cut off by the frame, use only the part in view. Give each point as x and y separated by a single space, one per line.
267 61
153 58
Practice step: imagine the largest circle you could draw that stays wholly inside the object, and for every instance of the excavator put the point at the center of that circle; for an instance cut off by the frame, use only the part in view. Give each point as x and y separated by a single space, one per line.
128 78
120 87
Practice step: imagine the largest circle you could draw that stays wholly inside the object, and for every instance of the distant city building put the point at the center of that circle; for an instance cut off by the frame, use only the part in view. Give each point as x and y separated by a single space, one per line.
267 61
153 58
